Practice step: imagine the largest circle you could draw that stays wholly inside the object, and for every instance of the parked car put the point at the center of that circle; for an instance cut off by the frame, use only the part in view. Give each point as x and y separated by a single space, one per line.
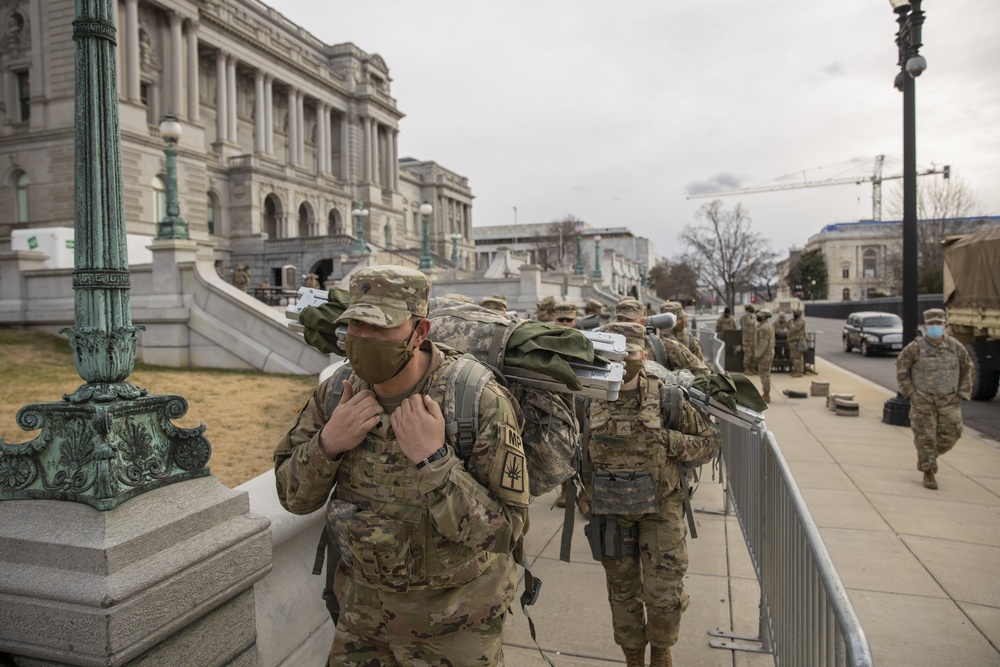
873 332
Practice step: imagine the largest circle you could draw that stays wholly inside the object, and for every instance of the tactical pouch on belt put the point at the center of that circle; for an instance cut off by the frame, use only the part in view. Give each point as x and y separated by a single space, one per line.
338 512
624 493
609 539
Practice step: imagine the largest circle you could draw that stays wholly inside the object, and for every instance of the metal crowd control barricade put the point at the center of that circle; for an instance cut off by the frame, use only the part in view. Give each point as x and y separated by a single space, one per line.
806 618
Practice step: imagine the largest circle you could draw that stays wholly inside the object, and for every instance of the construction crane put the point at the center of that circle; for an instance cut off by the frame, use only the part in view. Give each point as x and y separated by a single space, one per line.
875 179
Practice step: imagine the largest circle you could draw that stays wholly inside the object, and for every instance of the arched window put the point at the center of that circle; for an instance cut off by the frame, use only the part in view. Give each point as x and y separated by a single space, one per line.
868 262
847 294
210 213
159 199
333 221
305 219
387 231
271 214
21 198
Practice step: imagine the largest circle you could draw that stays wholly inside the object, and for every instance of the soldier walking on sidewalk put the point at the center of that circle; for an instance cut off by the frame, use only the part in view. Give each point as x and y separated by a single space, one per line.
935 373
763 348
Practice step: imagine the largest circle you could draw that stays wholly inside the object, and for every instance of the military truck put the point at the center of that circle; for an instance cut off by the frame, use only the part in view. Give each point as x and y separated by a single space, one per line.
972 297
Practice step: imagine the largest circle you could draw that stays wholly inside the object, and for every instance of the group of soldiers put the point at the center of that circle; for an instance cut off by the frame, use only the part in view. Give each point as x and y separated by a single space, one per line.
429 539
758 338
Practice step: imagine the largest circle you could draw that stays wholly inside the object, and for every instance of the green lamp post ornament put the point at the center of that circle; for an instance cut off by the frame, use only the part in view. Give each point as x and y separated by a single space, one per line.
359 213
597 257
455 236
426 261
578 267
108 440
172 226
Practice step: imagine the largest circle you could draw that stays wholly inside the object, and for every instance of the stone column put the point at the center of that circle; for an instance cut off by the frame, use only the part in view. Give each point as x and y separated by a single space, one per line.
259 143
366 124
193 88
394 163
300 127
176 66
221 108
322 120
132 67
269 115
345 143
231 125
292 117
376 155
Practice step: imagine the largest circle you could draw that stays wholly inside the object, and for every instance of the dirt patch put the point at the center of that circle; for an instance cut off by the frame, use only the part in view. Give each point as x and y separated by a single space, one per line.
245 412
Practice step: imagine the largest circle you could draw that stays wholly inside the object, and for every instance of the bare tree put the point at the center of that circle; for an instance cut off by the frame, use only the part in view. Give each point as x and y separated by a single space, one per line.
730 254
941 205
675 279
557 249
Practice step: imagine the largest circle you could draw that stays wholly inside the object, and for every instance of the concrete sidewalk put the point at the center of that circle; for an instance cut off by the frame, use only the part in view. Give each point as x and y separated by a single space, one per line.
921 567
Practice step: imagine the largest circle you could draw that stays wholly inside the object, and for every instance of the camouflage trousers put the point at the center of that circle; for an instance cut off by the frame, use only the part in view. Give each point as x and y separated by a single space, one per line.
764 370
647 592
749 363
797 356
937 426
432 627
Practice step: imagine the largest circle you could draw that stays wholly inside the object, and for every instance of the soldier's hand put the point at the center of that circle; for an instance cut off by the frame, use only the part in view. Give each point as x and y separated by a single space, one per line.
419 427
354 416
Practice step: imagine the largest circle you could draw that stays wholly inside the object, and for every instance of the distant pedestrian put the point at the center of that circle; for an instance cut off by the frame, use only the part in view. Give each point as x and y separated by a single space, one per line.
935 373
797 342
726 321
748 325
763 350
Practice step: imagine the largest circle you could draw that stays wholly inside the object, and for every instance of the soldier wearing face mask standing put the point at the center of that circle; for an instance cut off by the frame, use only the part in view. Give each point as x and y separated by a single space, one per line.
748 326
427 571
636 526
935 373
763 350
797 342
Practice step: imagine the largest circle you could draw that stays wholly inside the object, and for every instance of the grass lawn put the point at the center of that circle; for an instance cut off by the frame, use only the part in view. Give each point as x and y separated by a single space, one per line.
245 412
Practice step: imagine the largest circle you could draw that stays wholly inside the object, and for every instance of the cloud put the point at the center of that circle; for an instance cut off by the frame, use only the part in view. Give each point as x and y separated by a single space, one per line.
582 188
834 69
720 182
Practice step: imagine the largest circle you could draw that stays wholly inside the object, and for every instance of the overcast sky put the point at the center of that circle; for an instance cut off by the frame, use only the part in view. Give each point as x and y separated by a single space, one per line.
615 111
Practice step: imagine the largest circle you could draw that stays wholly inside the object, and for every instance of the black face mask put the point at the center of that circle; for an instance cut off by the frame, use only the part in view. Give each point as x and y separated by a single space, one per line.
760 319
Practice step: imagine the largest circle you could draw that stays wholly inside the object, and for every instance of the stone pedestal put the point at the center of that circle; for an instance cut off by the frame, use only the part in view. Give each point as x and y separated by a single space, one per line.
166 578
168 255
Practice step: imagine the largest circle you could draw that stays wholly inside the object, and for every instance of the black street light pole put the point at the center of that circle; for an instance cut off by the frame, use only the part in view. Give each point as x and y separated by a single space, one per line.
911 65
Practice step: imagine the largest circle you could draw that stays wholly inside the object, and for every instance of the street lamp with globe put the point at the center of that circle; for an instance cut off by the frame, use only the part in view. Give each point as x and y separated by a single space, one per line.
172 226
426 261
359 213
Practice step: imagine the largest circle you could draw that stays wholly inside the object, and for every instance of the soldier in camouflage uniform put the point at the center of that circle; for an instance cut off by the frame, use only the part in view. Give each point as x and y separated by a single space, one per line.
638 498
680 332
748 326
497 303
935 373
796 339
725 322
676 356
545 309
763 350
427 572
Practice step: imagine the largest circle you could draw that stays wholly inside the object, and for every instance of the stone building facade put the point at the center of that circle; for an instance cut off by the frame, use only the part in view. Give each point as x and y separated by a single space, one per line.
283 136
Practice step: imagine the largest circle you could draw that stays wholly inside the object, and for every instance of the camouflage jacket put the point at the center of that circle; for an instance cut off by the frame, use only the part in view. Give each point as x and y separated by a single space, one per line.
748 323
725 323
629 435
445 522
796 330
763 341
679 356
934 371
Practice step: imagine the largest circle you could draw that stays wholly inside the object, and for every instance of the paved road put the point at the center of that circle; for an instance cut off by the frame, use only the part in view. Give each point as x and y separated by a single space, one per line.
984 416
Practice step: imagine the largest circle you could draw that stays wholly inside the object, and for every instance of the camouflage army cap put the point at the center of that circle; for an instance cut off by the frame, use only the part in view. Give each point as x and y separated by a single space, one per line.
495 303
629 308
672 307
595 305
546 304
635 334
796 311
764 312
454 296
934 315
386 296
748 308
565 309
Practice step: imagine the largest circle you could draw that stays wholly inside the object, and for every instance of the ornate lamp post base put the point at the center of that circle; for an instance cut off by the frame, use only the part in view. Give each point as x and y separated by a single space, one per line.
102 454
896 411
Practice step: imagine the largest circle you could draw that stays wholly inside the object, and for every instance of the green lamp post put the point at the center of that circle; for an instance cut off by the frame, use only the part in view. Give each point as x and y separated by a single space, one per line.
642 276
455 236
426 261
359 213
172 226
109 440
578 267
597 257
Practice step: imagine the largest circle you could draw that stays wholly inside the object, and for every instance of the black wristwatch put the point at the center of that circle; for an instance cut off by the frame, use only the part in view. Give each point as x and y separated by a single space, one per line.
439 454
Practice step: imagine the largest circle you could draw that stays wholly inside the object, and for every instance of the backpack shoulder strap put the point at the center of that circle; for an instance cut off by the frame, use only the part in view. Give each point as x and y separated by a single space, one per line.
336 387
671 396
465 380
